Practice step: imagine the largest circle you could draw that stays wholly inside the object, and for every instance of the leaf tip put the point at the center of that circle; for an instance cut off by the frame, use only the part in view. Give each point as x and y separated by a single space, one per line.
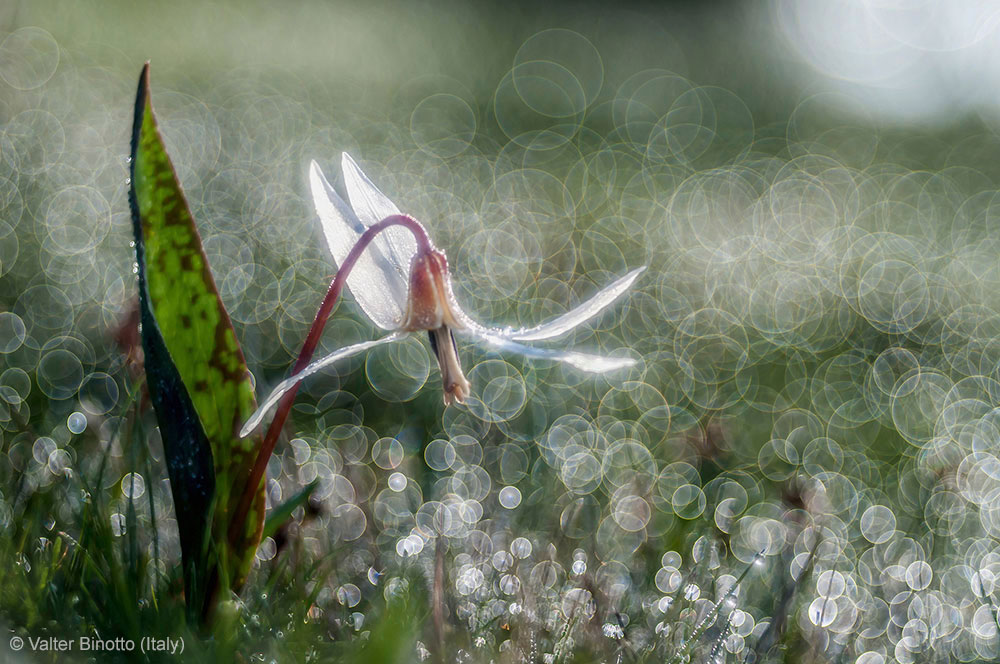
141 95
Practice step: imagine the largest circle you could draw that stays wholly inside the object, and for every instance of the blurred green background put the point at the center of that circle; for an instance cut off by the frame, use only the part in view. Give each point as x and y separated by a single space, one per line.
814 189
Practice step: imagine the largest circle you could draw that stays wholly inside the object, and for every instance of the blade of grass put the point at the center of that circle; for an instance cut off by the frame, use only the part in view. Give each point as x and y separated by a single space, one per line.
283 512
710 617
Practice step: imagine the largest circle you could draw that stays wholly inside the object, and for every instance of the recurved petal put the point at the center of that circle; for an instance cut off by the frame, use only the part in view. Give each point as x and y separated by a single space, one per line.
282 388
577 315
582 361
378 283
396 244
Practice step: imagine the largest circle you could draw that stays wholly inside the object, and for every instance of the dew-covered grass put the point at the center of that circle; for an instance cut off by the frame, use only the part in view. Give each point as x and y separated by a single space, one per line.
801 467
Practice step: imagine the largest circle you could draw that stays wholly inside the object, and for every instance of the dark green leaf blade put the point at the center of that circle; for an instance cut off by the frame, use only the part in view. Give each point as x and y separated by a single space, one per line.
185 445
283 512
194 364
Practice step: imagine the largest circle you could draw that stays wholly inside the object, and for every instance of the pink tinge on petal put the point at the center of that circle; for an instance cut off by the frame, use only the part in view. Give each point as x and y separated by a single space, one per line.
430 304
424 308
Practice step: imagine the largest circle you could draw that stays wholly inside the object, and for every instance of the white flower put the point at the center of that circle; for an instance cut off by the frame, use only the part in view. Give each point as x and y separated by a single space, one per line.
403 285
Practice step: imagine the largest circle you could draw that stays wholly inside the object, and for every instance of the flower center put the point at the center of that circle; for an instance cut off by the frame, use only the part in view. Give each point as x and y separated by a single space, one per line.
428 308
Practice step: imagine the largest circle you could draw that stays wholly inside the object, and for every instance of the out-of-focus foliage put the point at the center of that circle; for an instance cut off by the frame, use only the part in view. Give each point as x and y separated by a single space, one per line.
818 369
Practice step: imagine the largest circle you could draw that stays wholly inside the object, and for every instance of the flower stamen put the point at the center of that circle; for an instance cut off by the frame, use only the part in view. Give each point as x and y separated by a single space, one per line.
456 385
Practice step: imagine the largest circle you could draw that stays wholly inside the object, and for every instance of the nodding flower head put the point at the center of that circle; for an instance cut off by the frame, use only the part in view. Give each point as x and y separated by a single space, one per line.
431 306
402 283
429 300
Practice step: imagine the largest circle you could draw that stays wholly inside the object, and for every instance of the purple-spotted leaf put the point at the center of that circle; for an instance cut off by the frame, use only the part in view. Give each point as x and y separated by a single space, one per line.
198 380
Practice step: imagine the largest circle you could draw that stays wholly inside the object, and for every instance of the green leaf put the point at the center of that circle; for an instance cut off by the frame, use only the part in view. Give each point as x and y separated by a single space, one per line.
283 512
197 377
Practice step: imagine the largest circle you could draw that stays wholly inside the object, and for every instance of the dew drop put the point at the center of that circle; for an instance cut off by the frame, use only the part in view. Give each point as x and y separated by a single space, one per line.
133 486
118 524
397 482
510 497
520 547
76 422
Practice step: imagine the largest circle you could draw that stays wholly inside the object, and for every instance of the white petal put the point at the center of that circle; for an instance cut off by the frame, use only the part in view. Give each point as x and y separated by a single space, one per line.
396 244
576 316
582 361
378 283
282 388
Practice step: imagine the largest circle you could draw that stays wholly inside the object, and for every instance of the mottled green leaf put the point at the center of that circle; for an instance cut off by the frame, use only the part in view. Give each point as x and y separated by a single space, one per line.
198 380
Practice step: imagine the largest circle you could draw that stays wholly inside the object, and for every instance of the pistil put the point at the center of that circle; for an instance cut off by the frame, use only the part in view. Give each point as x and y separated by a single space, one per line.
456 386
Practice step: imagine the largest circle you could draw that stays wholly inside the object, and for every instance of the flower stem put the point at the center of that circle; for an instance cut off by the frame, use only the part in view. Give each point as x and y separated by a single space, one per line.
424 245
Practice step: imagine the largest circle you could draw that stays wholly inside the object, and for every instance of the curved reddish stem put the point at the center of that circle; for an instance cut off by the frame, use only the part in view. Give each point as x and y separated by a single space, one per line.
424 245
